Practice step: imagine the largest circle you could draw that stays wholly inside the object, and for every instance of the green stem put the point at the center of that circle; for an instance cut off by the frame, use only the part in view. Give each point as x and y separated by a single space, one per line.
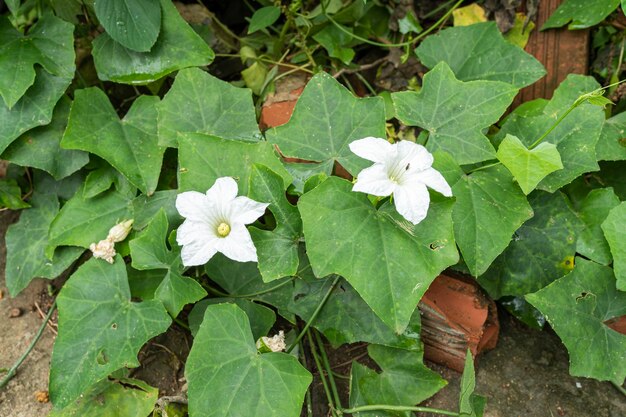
314 315
320 371
558 121
329 371
251 295
484 167
22 358
398 408
181 323
271 61
619 388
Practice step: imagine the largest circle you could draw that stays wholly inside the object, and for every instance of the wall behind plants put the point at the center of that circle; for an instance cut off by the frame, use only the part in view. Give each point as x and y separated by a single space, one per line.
139 167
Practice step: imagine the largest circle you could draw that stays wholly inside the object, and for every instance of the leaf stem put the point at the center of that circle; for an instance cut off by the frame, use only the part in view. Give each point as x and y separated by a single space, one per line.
320 371
271 61
485 167
381 407
251 295
329 371
314 315
22 358
619 388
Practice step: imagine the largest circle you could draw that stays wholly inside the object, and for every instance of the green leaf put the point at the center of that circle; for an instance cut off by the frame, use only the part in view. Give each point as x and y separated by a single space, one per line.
264 17
326 119
40 147
227 377
409 23
149 251
82 222
135 24
211 106
33 109
455 112
577 307
203 159
489 208
130 145
121 397
11 195
528 166
261 318
593 211
49 43
542 249
26 241
470 404
612 142
575 136
581 13
277 249
404 380
146 207
334 40
99 180
389 261
615 234
177 47
100 329
479 52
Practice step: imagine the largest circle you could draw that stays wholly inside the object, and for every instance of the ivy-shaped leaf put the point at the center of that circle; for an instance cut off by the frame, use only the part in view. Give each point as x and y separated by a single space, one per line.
149 251
389 261
177 47
228 377
479 52
100 329
615 233
212 106
134 24
489 208
146 207
528 166
577 307
11 195
277 249
40 147
612 142
49 43
542 249
326 119
455 112
203 159
130 145
593 211
581 13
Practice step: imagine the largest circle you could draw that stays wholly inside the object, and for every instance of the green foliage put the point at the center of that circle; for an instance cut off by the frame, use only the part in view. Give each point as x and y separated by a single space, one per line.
135 24
11 195
580 14
612 143
264 17
593 210
615 234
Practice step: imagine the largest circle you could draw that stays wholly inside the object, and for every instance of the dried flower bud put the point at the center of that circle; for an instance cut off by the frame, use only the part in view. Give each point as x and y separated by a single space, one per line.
120 231
105 249
275 343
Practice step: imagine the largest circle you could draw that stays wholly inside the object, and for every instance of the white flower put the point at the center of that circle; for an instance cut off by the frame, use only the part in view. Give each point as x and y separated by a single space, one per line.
215 222
105 249
119 232
275 343
402 169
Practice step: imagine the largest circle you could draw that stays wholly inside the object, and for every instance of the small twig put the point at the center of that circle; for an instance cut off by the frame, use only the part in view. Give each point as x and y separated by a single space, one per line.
619 388
43 316
363 67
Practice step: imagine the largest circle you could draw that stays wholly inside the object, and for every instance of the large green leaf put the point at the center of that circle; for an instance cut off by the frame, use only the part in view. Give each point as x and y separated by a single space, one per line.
404 380
614 228
528 166
84 221
149 251
327 118
49 43
612 142
593 211
389 261
542 249
211 106
40 147
146 207
130 145
34 109
100 329
203 159
575 136
277 249
177 47
227 377
489 208
455 112
133 23
26 241
581 13
479 52
118 397
577 307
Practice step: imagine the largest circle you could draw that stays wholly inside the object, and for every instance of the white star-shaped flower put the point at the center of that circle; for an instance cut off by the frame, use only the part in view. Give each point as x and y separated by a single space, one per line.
403 169
215 222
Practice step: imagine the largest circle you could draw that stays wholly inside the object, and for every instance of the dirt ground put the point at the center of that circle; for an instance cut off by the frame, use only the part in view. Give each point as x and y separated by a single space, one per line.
526 375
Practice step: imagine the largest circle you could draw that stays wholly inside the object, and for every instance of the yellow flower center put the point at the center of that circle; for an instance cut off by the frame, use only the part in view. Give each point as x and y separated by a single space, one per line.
223 229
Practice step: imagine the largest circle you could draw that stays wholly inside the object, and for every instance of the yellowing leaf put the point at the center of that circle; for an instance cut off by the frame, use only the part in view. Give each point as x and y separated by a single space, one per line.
468 15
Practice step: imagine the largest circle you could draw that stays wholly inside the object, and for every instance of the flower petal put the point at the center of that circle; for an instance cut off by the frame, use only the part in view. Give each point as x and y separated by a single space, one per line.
238 245
413 155
374 180
198 241
193 205
412 201
433 179
245 210
372 149
224 190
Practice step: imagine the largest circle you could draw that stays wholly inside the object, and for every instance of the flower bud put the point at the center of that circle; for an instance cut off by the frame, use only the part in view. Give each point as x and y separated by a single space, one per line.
105 249
120 231
275 343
